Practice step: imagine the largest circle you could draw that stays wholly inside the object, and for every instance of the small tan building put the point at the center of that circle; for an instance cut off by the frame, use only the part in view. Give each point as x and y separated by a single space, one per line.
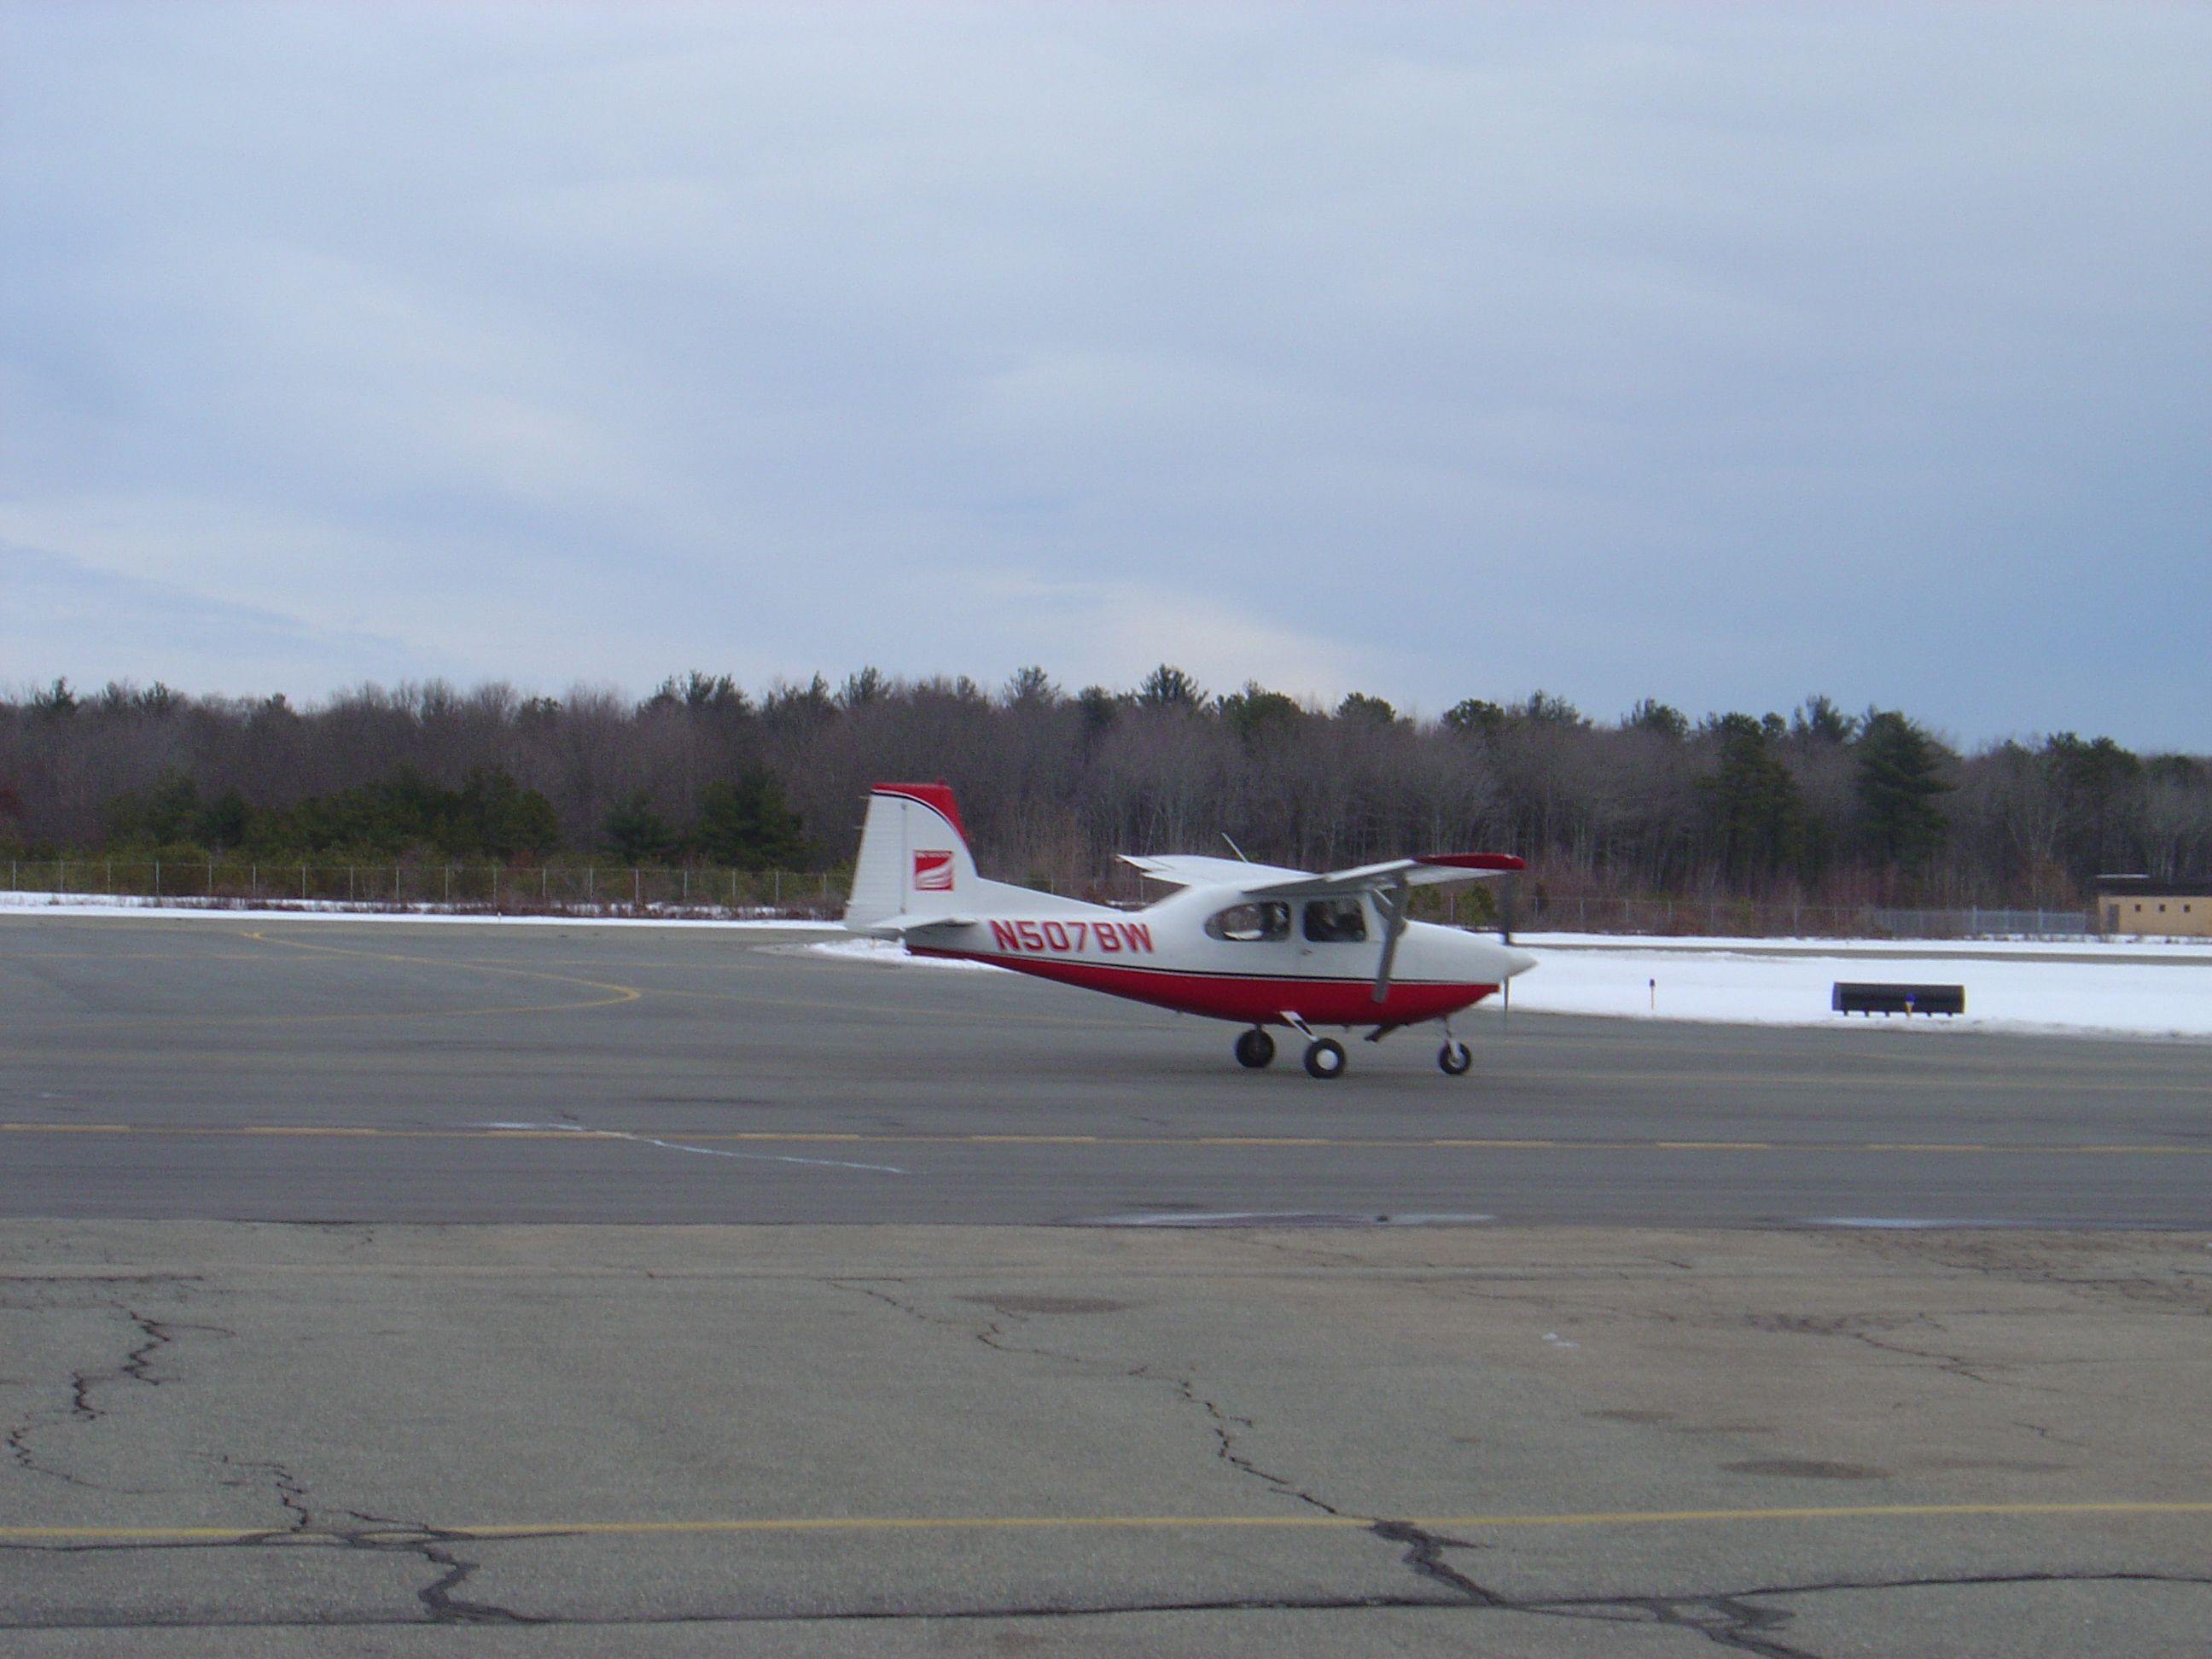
2141 906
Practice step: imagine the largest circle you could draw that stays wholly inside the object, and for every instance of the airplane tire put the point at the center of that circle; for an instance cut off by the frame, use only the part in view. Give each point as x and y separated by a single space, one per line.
1324 1058
1454 1058
1255 1048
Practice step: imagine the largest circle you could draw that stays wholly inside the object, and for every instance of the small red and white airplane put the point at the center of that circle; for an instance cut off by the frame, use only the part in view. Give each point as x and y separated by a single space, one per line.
1252 943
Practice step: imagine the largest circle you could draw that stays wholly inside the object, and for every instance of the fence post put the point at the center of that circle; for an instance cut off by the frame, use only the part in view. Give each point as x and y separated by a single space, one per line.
779 887
591 884
348 884
637 888
734 889
157 877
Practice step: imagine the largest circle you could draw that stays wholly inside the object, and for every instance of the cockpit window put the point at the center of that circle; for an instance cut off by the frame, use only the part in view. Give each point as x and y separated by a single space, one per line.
1250 923
1335 921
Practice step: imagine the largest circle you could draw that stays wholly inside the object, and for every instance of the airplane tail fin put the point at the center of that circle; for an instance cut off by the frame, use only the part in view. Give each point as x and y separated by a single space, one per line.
913 857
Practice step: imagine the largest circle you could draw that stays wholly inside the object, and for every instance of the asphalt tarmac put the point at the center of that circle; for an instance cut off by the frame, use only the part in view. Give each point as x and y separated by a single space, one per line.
1647 1362
333 1072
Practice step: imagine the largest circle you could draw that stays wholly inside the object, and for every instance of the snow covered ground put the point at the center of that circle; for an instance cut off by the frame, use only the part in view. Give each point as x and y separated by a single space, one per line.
2091 987
80 904
2088 988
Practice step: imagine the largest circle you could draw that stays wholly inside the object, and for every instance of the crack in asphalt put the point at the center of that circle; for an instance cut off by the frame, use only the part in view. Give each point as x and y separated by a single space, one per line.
1724 1618
1727 1619
377 1535
1423 1556
1222 1424
137 1366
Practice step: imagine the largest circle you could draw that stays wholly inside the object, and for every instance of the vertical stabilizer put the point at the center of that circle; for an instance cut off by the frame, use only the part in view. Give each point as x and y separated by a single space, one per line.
913 857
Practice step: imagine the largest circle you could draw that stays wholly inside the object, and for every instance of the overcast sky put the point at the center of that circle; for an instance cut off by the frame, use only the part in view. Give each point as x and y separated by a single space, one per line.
1720 355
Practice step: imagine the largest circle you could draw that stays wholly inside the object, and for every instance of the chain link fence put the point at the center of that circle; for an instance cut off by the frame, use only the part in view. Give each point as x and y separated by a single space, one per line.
551 890
1742 919
604 889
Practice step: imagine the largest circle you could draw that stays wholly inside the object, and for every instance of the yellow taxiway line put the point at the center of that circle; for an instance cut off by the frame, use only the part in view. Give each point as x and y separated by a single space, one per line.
862 1523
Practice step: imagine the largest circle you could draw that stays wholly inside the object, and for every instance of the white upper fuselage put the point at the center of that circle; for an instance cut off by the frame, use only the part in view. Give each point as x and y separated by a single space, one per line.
1254 943
1165 954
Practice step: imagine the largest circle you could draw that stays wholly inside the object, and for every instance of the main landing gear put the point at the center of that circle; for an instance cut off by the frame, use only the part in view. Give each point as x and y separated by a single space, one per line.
1324 1056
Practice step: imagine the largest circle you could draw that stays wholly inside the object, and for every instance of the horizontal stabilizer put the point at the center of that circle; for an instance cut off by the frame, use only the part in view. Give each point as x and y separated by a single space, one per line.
900 926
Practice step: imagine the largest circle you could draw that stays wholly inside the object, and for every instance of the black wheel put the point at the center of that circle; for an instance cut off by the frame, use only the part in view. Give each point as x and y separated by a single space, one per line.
1324 1058
1454 1058
1255 1048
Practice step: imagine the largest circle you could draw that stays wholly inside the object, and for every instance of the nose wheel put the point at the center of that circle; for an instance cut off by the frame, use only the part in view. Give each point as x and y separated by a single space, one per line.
1454 1057
1255 1048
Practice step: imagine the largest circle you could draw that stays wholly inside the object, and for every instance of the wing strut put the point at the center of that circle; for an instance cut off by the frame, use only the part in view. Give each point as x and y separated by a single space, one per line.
1390 898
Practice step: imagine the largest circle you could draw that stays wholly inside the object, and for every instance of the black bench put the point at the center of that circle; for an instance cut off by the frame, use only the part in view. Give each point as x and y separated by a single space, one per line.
1907 999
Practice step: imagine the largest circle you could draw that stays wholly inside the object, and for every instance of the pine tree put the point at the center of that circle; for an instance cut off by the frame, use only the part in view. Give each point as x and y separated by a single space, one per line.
1759 817
636 833
1898 782
748 825
1359 706
1169 687
1253 710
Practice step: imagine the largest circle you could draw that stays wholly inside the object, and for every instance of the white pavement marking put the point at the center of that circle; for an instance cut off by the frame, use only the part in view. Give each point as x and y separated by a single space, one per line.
1916 1224
703 1151
1277 1218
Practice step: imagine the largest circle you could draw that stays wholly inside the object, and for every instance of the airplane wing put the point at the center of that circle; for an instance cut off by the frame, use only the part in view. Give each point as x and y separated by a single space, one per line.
1197 870
1433 870
1273 881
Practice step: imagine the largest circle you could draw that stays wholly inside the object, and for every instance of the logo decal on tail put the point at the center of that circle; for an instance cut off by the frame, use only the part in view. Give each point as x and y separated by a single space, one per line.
932 871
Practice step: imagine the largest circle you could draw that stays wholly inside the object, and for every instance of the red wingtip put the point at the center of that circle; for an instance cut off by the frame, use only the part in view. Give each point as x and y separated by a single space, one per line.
1475 861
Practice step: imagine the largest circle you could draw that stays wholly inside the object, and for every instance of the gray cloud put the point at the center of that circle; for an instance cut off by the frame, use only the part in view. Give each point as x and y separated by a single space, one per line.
1717 356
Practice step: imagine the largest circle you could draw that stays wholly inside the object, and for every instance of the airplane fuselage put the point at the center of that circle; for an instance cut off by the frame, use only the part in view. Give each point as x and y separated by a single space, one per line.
1271 964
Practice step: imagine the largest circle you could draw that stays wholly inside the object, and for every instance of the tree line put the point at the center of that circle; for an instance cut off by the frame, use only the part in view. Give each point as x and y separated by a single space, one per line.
1817 805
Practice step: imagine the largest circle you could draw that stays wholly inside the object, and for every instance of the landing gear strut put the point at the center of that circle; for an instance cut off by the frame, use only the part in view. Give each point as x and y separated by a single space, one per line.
1324 1058
1255 1048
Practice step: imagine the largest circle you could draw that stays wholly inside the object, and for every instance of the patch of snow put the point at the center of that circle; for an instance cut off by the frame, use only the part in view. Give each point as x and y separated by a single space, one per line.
888 953
2087 948
2080 995
96 904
